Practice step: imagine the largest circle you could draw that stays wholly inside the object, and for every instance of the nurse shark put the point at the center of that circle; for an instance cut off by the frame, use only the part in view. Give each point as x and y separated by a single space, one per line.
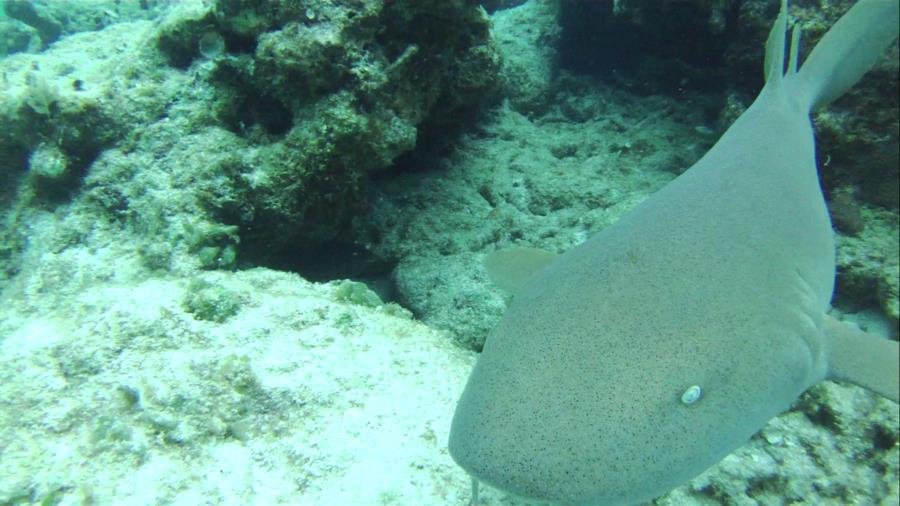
633 362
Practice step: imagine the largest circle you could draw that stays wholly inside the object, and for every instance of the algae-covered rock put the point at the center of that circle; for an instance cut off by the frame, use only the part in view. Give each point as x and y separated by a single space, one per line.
305 395
210 302
36 16
59 117
51 19
449 292
356 293
325 93
16 37
528 36
265 116
867 264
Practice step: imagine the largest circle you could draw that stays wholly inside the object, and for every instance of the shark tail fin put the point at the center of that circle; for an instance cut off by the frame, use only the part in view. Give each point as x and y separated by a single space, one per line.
774 65
849 49
869 361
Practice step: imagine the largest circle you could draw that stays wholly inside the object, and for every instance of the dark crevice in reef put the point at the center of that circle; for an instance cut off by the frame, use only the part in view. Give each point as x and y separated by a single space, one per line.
332 260
645 47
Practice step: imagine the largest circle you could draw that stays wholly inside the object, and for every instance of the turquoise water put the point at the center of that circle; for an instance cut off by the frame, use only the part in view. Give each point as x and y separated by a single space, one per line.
241 242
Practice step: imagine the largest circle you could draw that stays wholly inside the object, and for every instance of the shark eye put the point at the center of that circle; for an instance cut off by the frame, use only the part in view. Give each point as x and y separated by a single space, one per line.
691 395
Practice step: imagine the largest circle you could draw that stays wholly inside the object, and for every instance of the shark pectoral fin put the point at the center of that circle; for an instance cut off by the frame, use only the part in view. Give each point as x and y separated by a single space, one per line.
863 359
509 268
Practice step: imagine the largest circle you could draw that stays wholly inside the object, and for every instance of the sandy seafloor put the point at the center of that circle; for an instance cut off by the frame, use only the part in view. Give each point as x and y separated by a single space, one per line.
114 390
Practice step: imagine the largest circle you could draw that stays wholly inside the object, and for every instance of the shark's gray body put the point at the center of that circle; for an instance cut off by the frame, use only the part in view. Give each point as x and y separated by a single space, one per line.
721 280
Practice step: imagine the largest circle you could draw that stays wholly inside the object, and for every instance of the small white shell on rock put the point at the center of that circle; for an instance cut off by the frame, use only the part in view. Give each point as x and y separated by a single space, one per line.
692 394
